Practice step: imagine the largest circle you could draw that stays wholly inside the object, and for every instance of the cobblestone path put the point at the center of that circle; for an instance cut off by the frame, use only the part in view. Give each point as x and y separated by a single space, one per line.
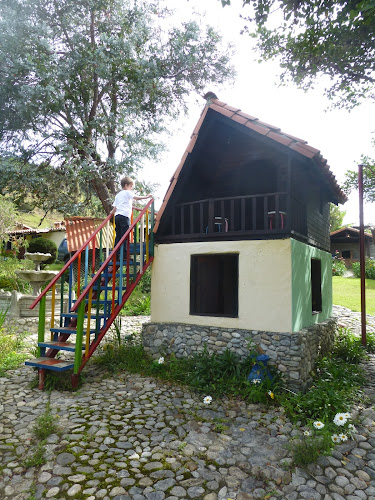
135 438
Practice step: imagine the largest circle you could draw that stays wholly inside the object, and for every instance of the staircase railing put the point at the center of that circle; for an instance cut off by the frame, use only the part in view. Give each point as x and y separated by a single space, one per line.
88 283
101 231
136 256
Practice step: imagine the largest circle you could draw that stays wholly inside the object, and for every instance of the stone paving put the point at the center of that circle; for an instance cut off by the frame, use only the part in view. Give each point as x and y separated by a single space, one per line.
132 437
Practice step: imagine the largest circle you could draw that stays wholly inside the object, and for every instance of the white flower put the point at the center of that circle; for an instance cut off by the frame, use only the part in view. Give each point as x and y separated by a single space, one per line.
340 419
335 438
318 425
256 381
347 415
306 433
352 428
161 360
207 400
343 437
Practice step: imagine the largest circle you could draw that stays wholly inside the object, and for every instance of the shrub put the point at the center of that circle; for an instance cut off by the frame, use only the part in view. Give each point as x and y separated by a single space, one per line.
338 265
348 347
12 351
369 269
43 245
8 278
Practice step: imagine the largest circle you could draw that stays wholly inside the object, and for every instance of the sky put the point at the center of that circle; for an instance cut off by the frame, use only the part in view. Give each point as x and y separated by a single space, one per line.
341 136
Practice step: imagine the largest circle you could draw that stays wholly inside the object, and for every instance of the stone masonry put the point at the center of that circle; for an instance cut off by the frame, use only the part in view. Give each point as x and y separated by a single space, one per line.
293 354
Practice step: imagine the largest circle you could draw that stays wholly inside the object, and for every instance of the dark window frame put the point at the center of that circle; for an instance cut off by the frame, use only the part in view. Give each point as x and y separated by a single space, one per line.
316 286
214 285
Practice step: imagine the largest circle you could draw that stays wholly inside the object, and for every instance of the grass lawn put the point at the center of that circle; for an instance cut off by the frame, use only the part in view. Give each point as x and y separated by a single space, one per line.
347 292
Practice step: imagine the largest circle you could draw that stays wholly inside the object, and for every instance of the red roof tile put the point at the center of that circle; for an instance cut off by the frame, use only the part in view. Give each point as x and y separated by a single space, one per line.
272 132
283 139
255 125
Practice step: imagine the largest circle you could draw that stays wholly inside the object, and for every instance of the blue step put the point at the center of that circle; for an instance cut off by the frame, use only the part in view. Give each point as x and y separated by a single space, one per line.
57 365
68 331
75 315
59 346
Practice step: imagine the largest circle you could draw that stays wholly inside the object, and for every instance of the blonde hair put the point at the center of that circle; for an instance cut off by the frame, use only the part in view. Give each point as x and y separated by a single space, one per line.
126 181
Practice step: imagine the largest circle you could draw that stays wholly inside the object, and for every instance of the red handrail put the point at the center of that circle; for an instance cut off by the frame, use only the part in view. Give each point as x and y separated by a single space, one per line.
72 259
110 257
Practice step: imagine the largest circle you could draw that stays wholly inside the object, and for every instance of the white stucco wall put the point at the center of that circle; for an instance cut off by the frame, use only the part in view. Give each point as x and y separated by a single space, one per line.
264 296
56 236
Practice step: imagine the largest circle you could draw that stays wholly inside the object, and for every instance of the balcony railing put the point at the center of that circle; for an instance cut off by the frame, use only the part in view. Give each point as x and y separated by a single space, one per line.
243 215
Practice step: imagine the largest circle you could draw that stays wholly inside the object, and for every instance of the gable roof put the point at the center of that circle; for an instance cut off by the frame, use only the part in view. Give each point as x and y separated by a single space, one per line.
274 133
347 231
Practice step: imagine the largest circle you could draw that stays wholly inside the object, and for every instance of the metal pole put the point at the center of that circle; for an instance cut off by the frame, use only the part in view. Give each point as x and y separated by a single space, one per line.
362 254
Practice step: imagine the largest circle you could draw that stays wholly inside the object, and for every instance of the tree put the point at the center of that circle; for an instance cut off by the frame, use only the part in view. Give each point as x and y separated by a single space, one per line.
351 179
335 38
336 217
86 86
7 219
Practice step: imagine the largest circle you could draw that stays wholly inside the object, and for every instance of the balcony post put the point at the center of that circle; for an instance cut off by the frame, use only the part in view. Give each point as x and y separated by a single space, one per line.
211 215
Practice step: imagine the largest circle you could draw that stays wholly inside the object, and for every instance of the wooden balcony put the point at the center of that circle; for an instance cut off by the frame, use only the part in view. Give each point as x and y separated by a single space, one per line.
270 215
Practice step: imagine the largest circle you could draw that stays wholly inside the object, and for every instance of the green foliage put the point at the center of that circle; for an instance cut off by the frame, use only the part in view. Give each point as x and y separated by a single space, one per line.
139 302
11 350
315 38
7 218
128 356
3 314
43 245
214 374
336 217
335 387
307 449
45 425
370 347
348 347
369 269
338 265
37 458
351 179
86 87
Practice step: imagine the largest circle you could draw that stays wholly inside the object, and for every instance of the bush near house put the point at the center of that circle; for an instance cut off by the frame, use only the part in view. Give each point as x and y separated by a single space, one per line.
338 265
43 245
369 269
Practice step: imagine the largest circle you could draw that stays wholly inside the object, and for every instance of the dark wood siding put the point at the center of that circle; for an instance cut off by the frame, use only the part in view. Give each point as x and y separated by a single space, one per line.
318 217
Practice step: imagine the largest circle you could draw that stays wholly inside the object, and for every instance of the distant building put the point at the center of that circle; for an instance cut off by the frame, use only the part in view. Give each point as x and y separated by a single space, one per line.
346 242
56 233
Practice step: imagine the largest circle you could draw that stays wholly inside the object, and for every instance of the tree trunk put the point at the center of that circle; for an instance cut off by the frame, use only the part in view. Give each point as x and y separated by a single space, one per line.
103 194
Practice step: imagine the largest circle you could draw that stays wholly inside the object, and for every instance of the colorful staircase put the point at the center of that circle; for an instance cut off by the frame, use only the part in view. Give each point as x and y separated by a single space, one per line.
80 329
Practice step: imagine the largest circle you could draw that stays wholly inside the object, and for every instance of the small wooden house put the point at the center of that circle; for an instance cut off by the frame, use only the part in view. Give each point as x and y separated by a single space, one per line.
243 246
345 241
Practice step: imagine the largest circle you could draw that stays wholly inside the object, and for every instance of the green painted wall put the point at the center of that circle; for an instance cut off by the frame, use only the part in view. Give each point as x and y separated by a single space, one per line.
301 255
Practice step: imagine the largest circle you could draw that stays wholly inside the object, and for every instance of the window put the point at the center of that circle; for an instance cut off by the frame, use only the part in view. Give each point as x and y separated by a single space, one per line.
214 285
316 285
346 254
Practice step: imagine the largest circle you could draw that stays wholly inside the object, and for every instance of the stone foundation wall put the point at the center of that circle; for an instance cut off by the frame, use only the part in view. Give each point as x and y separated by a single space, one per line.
293 354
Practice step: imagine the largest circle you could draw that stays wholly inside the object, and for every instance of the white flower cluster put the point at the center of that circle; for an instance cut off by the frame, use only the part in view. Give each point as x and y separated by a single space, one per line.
340 420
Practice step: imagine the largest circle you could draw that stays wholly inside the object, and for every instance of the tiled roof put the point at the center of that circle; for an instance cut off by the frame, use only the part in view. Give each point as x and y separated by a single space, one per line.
350 230
30 230
270 131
